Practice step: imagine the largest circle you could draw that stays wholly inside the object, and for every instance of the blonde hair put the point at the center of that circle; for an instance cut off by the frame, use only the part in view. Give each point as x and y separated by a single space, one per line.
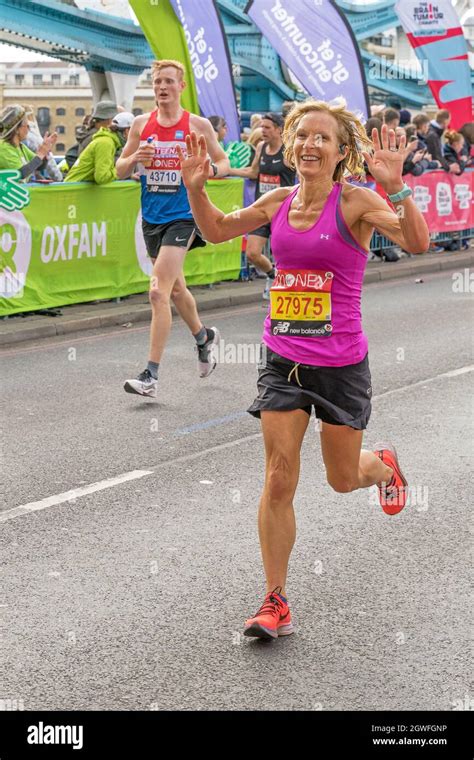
255 136
451 136
350 132
255 120
156 66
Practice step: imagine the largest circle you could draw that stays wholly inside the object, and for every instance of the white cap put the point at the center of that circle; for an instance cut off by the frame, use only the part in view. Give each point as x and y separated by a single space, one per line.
123 120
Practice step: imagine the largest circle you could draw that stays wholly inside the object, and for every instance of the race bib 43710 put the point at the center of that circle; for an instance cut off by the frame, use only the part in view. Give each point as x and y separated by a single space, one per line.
164 175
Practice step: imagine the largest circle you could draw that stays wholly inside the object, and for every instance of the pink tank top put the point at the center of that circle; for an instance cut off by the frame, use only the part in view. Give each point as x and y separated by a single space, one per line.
315 300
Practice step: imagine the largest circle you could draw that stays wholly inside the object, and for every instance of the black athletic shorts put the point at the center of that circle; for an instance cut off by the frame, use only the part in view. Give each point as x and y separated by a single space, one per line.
263 231
340 395
177 232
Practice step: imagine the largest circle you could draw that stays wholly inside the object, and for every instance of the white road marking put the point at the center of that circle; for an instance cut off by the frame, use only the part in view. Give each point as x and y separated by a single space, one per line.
51 501
451 373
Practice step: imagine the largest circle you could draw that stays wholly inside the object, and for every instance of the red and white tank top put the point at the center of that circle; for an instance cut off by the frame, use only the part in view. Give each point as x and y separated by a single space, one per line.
164 196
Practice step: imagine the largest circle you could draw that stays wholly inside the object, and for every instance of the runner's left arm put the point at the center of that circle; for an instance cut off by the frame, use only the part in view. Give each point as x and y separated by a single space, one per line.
407 228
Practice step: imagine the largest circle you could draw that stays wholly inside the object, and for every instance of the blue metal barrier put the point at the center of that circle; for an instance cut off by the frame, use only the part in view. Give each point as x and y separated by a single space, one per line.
379 242
440 237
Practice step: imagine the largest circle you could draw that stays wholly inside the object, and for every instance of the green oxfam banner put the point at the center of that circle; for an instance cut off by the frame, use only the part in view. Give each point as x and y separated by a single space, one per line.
81 242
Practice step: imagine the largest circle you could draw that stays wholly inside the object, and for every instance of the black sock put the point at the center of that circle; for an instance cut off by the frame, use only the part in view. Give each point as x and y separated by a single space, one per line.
202 336
271 274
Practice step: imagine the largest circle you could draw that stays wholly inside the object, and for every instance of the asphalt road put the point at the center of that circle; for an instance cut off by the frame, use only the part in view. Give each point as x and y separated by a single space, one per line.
133 596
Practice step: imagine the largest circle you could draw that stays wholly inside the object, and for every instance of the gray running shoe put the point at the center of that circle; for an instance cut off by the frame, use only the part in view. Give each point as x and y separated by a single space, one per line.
143 385
206 354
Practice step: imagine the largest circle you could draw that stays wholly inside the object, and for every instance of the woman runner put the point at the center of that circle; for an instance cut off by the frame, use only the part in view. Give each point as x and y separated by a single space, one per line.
315 352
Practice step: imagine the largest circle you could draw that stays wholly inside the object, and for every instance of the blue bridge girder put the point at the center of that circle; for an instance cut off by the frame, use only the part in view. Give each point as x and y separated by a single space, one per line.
367 23
96 40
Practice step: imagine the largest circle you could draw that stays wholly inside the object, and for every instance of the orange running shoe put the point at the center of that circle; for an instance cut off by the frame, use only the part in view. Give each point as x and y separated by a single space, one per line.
273 618
394 494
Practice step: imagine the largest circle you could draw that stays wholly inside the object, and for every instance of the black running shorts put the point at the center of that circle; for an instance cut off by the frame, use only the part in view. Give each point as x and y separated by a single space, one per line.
177 232
339 395
263 231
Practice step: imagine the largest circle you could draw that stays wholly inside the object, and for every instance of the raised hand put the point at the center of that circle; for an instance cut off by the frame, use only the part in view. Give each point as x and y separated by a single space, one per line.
195 164
386 163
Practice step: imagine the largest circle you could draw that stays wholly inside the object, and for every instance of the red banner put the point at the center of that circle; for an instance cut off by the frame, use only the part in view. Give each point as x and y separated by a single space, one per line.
436 35
444 199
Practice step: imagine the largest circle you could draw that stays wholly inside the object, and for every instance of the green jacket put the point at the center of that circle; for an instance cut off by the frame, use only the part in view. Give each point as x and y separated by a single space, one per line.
14 157
97 162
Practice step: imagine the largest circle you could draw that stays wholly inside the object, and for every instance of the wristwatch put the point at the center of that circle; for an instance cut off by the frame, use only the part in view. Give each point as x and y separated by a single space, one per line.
405 192
214 168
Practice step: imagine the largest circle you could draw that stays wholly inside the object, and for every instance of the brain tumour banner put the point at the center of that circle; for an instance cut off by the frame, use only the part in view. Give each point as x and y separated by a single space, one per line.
436 35
317 44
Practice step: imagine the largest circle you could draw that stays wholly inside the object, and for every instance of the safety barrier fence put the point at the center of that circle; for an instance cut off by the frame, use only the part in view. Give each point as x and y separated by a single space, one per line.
381 243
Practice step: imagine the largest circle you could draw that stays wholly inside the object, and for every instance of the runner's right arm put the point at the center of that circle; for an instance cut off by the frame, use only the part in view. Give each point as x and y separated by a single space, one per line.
215 226
133 153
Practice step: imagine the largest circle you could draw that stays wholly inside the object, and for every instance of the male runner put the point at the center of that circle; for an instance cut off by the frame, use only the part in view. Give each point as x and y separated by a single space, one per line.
169 229
271 171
